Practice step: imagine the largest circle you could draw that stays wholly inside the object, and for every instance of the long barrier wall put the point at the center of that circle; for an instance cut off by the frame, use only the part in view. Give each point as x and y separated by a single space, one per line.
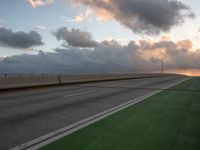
27 81
22 81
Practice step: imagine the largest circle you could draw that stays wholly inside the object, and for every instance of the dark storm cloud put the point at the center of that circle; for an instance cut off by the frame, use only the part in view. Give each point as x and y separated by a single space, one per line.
144 16
75 37
20 39
107 57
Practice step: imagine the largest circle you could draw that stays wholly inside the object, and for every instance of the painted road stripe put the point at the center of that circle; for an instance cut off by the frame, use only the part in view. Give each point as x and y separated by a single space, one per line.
80 93
57 134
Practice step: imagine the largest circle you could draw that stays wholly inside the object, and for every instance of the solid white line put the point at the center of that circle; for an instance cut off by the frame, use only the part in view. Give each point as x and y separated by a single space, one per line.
80 93
57 134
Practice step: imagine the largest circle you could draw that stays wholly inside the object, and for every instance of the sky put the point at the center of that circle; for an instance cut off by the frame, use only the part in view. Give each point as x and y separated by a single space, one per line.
99 36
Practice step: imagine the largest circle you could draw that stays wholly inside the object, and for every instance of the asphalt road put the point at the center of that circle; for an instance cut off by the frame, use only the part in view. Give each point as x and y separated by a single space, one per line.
30 113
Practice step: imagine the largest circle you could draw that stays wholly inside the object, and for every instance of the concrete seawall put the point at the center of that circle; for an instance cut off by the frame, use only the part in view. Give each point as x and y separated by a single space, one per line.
27 81
14 82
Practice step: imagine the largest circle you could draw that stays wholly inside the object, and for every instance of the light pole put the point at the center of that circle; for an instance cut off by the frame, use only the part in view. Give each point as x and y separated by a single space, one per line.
162 65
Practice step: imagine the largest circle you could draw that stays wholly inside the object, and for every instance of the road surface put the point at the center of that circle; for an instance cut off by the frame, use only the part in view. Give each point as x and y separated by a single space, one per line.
30 113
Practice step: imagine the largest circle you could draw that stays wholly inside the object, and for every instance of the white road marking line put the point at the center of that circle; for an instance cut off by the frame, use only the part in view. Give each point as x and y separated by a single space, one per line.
80 93
58 134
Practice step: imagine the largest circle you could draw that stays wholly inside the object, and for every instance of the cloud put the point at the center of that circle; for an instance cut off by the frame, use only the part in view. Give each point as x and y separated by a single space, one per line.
122 41
108 57
19 39
2 23
142 16
39 27
177 55
75 37
39 3
85 55
80 17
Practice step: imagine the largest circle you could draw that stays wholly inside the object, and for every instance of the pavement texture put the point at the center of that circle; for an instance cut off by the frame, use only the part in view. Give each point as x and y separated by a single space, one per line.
168 120
30 113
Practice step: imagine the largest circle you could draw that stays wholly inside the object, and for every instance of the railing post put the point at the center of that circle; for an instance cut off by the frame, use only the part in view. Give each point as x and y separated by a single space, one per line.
59 79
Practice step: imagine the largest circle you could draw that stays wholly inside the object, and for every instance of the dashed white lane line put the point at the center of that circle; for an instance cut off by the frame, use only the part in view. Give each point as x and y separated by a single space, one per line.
80 93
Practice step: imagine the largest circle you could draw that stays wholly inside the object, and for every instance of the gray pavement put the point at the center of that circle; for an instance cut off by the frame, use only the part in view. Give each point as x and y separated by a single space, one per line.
30 113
